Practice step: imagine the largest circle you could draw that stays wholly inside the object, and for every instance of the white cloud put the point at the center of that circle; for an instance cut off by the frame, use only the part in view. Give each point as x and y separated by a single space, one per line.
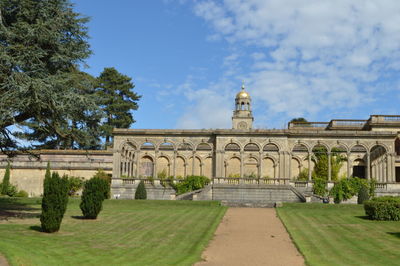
309 55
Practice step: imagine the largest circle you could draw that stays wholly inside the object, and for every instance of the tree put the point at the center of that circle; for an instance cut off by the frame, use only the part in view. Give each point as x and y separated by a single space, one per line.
299 119
41 43
141 192
54 202
6 181
94 193
117 100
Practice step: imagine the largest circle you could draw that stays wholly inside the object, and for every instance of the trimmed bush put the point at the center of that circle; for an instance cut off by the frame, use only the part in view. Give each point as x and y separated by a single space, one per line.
383 208
94 193
346 188
6 181
54 202
319 187
141 193
363 195
103 175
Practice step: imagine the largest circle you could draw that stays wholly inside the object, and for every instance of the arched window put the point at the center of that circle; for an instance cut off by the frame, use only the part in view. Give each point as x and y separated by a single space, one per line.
251 147
232 147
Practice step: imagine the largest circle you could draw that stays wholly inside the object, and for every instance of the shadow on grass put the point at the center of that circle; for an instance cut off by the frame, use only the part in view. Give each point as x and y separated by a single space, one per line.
17 208
364 217
36 228
395 234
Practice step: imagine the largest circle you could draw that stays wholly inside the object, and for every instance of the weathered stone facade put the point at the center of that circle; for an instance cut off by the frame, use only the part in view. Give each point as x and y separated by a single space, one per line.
371 148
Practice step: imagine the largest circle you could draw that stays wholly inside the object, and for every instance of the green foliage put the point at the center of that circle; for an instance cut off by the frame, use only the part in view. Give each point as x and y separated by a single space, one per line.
42 43
363 195
22 194
303 176
141 193
347 188
299 119
320 158
103 175
191 183
117 100
75 183
6 181
234 176
94 192
54 202
372 184
319 187
12 190
383 208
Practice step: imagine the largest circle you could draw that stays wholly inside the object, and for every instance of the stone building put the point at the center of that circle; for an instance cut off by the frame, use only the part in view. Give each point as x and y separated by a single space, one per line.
371 149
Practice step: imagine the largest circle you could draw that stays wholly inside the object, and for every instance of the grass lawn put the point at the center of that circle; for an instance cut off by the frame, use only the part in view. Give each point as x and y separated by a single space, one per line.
341 235
127 232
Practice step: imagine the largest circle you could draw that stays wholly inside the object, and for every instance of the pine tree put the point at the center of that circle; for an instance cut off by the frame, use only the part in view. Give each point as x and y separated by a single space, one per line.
54 202
93 195
141 192
42 43
6 181
117 100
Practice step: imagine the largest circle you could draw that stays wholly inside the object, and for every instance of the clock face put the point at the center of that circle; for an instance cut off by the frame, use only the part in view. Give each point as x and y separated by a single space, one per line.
242 125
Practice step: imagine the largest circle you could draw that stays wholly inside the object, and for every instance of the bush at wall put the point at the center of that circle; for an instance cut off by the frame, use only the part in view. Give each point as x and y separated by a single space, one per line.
349 187
6 181
383 208
54 202
141 192
94 193
363 194
191 183
103 175
22 194
319 187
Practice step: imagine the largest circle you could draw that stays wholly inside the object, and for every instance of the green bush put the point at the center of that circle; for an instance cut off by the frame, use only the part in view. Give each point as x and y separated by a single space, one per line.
103 175
319 187
22 194
349 187
191 183
363 195
74 184
54 202
303 176
141 192
383 208
12 190
95 191
6 182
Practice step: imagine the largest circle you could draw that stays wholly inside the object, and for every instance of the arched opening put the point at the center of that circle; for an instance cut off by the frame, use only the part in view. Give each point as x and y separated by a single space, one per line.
338 162
232 167
397 146
232 147
250 168
166 146
147 146
193 166
321 163
268 168
270 147
146 167
163 167
207 167
379 163
203 147
251 147
185 147
359 168
180 167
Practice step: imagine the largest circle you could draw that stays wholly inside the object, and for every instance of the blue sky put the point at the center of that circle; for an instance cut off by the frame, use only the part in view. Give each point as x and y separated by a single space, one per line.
310 58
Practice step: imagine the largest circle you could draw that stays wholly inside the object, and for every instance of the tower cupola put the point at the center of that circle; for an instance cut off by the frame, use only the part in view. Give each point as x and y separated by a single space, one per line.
242 116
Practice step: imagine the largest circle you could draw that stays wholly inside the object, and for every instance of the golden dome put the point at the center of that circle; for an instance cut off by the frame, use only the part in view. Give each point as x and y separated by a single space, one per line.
243 94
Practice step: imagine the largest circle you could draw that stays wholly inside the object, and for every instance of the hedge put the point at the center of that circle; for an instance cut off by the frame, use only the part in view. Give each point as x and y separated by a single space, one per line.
383 208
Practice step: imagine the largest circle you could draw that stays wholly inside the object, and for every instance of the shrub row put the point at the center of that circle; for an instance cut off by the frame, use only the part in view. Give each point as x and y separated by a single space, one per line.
383 208
191 183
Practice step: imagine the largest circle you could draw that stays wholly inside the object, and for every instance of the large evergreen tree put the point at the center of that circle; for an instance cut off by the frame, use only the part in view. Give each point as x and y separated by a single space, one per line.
41 43
117 99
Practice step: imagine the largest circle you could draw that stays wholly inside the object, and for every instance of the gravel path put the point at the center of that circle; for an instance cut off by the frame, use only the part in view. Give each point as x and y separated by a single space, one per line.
251 236
3 261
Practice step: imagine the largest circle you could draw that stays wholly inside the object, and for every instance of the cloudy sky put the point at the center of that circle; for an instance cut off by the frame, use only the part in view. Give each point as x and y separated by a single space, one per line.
298 58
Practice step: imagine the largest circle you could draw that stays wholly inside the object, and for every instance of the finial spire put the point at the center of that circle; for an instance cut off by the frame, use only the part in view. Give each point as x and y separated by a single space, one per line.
242 84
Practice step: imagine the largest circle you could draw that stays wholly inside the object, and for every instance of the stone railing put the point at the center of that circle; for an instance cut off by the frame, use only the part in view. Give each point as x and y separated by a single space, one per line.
250 181
347 124
147 181
301 184
382 186
308 125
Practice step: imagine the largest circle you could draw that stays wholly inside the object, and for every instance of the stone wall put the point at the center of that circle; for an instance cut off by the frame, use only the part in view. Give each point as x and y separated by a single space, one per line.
28 170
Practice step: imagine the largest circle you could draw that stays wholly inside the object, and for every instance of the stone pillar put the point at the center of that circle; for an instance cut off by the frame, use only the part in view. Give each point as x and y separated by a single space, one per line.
241 163
260 155
116 164
385 173
155 164
368 167
193 162
137 164
174 165
329 167
309 167
392 167
348 165
289 156
219 163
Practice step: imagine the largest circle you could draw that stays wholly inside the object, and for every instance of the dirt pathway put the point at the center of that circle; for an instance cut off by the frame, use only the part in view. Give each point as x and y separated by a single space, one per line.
3 261
251 236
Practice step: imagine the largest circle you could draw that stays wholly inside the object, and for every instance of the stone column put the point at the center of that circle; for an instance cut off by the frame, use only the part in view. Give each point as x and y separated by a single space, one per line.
241 163
193 162
309 167
329 167
137 164
116 164
260 168
219 163
174 165
392 167
348 165
289 156
155 164
368 170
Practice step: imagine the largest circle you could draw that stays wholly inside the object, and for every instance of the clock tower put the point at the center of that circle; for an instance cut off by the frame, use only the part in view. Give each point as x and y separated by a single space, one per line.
242 116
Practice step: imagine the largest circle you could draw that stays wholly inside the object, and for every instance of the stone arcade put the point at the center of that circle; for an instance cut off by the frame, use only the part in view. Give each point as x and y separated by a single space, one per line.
249 164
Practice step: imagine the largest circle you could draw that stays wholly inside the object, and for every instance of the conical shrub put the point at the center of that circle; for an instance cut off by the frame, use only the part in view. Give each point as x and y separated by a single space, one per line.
141 191
95 191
